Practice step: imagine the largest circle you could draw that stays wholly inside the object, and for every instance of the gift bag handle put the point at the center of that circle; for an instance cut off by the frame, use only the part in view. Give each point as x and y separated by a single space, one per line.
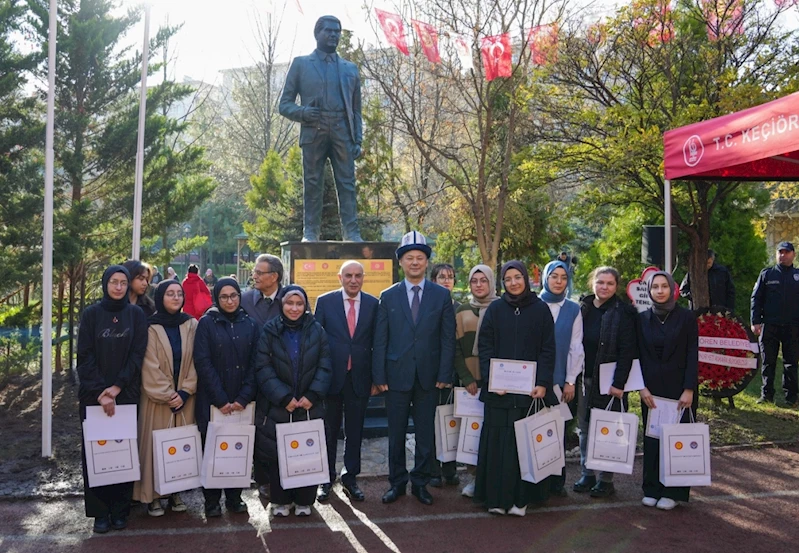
451 397
610 404
307 416
172 419
690 413
534 403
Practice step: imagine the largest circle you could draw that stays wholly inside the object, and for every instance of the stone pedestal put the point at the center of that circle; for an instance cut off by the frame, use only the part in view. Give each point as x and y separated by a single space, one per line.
315 265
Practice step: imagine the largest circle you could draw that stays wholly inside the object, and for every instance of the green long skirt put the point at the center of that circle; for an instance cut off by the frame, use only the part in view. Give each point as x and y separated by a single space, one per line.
499 483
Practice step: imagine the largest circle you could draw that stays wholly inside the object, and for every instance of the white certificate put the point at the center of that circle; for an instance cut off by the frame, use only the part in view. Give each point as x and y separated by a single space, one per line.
665 412
99 426
247 416
466 404
562 408
635 381
513 377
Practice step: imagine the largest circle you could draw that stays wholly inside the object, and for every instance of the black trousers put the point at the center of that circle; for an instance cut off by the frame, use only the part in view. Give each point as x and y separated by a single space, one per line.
772 337
299 496
651 484
421 404
352 409
104 501
439 469
333 141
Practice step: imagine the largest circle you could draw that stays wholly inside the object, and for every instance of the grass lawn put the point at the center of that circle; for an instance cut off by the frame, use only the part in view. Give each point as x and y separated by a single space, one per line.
748 422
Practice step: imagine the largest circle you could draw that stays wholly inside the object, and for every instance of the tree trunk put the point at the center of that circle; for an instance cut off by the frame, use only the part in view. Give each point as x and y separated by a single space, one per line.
697 264
59 323
26 295
71 316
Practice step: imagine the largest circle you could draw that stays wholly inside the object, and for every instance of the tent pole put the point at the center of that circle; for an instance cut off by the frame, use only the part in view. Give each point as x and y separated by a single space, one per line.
47 246
137 193
667 225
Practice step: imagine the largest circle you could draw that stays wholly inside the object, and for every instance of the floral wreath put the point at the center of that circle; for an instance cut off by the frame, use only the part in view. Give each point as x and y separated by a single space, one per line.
728 352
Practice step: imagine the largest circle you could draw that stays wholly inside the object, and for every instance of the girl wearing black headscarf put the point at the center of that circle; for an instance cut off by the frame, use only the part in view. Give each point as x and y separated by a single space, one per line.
669 362
112 340
224 356
520 327
169 382
293 375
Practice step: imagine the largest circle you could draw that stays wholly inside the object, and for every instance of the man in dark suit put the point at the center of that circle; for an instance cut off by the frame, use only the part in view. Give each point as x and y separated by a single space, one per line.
259 301
348 315
331 126
414 350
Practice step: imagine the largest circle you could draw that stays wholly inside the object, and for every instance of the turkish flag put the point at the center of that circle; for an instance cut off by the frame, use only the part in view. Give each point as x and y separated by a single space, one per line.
496 54
543 42
393 29
724 18
428 38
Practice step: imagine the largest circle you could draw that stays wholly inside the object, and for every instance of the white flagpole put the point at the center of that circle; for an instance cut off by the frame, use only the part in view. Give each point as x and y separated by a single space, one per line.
47 246
137 192
667 245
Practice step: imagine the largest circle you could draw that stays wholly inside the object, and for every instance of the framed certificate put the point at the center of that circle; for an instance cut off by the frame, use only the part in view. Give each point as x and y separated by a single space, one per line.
510 376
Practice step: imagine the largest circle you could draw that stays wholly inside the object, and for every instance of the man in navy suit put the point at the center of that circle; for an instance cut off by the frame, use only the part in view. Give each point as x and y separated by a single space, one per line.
331 126
414 349
348 316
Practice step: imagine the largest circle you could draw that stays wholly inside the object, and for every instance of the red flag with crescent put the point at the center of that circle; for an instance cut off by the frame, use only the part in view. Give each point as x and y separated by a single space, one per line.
543 42
428 38
496 54
393 29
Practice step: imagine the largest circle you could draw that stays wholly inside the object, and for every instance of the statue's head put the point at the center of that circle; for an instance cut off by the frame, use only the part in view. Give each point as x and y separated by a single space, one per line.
327 33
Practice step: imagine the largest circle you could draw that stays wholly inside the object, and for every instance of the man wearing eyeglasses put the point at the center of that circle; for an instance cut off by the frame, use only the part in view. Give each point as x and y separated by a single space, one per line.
259 301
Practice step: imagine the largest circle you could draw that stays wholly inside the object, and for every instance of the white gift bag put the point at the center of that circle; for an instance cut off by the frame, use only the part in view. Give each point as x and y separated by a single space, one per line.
302 454
466 404
111 461
539 444
685 454
448 429
227 458
611 440
469 440
177 458
247 416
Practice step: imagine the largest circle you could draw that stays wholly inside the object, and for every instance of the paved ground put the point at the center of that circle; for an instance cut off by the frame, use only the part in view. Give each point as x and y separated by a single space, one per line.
753 505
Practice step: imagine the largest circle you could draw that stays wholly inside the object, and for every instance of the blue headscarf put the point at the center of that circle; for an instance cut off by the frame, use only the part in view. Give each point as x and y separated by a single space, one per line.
546 294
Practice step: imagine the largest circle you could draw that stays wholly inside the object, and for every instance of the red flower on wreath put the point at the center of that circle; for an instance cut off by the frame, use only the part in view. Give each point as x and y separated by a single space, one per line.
722 325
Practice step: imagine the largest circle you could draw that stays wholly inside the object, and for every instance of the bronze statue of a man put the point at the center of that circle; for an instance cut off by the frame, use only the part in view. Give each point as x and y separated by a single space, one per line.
331 126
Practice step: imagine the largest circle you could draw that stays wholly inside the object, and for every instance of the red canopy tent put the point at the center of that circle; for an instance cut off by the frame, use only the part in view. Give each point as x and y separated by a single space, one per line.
756 144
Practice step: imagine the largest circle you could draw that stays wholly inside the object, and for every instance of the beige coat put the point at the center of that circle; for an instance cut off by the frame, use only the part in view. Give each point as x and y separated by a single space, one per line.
156 390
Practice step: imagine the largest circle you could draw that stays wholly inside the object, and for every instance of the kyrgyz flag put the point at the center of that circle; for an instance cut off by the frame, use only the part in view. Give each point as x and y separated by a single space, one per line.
428 38
543 42
496 54
393 29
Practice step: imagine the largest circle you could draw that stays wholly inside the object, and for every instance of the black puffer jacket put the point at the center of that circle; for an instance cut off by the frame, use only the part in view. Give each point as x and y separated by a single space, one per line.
275 380
618 344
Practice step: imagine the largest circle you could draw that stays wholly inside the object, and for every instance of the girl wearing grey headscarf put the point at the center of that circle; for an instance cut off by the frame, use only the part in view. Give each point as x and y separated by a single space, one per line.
669 354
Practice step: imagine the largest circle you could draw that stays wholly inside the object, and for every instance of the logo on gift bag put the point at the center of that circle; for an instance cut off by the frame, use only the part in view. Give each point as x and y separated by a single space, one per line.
538 438
694 445
678 446
309 442
101 442
452 424
605 431
475 425
549 433
295 444
119 441
238 446
187 448
620 432
223 446
172 450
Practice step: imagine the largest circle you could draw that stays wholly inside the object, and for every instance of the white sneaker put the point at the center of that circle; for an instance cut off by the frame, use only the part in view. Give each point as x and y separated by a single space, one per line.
518 511
649 502
497 511
666 504
468 490
302 510
281 510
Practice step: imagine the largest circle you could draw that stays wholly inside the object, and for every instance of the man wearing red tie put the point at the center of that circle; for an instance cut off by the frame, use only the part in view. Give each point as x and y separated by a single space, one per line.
348 316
